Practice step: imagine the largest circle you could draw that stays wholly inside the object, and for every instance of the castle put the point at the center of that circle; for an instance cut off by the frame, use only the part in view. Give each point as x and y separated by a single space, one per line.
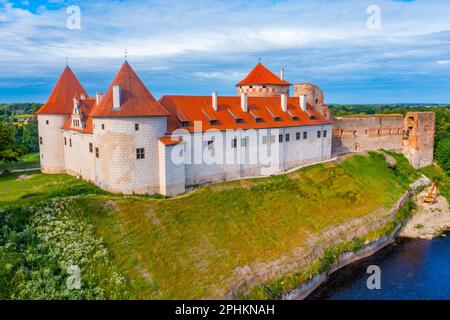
126 141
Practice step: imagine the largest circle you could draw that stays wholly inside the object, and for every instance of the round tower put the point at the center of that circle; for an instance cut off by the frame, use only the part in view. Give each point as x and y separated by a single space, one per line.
52 116
314 97
261 82
127 124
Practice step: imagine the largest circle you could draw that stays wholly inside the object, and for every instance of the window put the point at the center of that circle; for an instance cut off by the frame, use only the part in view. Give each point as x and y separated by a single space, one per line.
264 139
305 135
184 123
97 153
234 143
280 138
213 122
297 136
355 133
91 148
70 142
140 153
40 140
366 131
325 133
243 142
238 121
136 126
318 134
47 122
288 137
103 126
65 141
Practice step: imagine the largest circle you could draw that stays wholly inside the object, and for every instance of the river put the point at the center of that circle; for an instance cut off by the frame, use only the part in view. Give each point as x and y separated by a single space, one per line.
410 269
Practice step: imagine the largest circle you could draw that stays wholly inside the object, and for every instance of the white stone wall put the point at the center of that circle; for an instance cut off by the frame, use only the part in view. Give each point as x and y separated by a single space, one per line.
172 178
291 154
52 149
79 160
117 169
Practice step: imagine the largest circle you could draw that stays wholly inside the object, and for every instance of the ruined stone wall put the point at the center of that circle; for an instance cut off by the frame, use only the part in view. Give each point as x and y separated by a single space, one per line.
51 148
117 167
363 133
314 96
418 145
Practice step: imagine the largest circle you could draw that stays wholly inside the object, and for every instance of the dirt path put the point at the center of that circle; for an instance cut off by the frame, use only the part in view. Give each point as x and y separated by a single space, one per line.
429 219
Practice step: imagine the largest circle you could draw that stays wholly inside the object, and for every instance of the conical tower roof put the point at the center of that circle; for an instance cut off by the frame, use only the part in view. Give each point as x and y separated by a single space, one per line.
61 98
261 75
135 99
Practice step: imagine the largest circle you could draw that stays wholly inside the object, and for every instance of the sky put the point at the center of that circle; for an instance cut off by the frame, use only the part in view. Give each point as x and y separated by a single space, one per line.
357 51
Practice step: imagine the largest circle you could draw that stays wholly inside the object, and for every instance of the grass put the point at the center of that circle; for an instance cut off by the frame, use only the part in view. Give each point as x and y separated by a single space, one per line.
23 189
188 247
30 160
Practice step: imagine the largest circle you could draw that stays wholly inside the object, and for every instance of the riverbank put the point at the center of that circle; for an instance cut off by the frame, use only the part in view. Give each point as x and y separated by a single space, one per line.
369 248
428 220
411 268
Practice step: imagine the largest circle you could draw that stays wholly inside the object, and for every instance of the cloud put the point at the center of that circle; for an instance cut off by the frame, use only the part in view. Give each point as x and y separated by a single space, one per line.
217 42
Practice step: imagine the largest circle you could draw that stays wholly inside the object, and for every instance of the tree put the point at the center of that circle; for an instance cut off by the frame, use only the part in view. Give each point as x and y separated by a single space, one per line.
10 151
30 136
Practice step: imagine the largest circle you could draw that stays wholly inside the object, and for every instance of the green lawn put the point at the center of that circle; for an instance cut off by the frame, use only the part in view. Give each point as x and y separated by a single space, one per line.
188 247
30 160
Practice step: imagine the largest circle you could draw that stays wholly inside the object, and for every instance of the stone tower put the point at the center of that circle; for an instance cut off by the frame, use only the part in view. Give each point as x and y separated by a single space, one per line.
314 96
418 143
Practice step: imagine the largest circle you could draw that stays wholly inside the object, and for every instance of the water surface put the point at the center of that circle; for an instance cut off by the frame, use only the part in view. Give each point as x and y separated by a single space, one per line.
410 269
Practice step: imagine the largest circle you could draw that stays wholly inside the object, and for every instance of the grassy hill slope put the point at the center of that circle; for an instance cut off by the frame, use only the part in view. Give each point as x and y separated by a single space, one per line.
186 247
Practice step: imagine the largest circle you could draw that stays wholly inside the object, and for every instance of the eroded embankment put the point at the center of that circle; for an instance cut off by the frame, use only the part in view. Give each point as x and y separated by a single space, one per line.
322 255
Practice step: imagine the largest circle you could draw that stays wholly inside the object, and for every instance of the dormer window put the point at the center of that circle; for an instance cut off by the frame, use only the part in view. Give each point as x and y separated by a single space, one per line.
236 116
210 116
184 124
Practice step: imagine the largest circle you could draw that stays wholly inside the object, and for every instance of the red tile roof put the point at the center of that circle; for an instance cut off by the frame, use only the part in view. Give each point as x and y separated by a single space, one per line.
61 98
261 75
193 107
136 100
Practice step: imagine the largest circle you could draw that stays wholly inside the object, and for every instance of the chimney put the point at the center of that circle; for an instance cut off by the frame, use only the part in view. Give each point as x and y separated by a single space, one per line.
116 97
282 74
98 97
284 102
82 96
244 102
214 100
302 101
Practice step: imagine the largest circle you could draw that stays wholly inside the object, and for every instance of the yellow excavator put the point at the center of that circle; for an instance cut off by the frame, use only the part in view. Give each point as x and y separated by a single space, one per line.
432 195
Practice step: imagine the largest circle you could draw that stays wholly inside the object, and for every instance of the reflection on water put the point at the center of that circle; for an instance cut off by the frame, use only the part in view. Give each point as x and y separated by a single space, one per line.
410 269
